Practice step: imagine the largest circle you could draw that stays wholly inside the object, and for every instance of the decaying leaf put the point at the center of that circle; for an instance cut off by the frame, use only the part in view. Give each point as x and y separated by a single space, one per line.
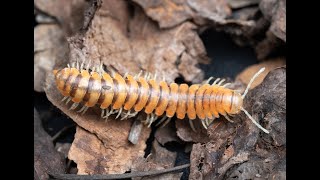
185 132
167 134
243 151
275 12
68 13
270 44
46 158
106 152
160 158
49 46
246 75
170 13
131 44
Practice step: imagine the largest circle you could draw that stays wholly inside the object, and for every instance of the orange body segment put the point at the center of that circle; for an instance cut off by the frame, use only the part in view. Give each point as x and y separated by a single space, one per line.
199 100
182 103
121 94
154 97
213 96
191 111
69 82
206 102
94 89
174 96
107 91
143 96
163 101
133 92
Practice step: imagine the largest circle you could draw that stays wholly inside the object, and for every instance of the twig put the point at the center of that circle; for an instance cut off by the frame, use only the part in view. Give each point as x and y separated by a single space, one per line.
118 176
57 135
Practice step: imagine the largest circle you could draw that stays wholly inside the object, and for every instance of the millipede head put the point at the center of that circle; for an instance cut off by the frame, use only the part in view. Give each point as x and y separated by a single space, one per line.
243 96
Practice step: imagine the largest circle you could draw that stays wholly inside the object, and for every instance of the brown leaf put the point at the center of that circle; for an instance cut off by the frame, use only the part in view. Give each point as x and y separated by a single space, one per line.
268 45
170 13
49 46
246 75
241 150
275 11
139 44
185 132
167 134
46 158
107 153
160 158
68 13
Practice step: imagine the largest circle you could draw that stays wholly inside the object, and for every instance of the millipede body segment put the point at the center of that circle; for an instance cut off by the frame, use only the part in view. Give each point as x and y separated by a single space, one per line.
129 95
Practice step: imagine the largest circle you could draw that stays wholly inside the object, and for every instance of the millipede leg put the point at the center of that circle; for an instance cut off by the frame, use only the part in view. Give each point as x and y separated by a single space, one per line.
82 64
88 65
77 64
68 65
69 99
227 117
126 115
222 80
133 115
192 126
155 76
81 109
119 113
102 112
209 121
208 81
215 82
227 84
136 77
85 109
203 123
74 105
73 64
162 119
106 116
64 98
166 122
153 118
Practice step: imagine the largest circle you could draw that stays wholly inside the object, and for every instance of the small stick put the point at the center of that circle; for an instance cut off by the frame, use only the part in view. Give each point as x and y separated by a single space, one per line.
119 176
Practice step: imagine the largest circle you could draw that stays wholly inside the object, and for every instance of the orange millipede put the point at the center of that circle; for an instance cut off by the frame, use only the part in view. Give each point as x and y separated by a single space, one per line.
127 95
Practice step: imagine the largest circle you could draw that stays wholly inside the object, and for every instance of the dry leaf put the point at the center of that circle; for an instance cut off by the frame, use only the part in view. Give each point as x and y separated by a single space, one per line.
246 75
275 12
46 158
160 158
243 151
49 46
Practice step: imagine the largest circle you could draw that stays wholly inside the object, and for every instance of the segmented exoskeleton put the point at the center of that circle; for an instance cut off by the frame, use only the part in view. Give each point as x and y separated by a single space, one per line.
127 95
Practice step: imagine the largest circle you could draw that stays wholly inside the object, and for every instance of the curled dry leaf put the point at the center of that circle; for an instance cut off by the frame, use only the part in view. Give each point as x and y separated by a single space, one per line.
270 64
49 46
134 43
46 158
160 158
244 151
275 12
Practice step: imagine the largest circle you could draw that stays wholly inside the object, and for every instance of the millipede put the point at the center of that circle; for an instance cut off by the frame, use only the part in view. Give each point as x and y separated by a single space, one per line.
128 95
